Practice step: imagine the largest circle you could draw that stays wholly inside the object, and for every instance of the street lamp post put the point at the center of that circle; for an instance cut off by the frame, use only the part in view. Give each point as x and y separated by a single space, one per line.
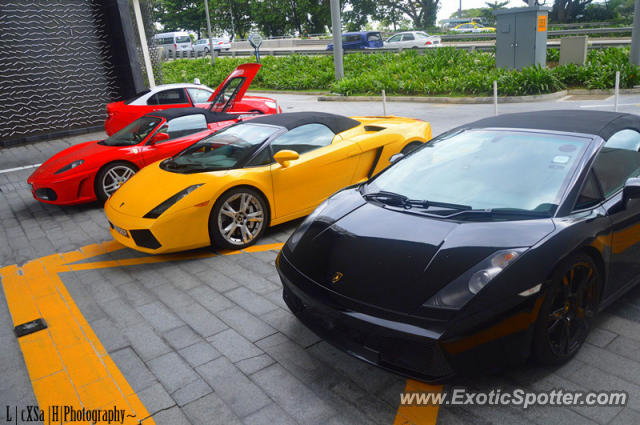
336 26
211 48
634 57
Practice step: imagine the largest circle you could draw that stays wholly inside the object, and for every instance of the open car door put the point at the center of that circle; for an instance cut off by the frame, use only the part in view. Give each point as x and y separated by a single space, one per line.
233 87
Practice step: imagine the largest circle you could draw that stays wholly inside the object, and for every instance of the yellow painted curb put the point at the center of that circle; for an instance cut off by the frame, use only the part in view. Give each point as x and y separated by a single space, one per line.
67 363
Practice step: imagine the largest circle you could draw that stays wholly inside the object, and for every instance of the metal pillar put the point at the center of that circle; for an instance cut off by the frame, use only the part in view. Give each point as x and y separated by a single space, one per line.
634 56
336 27
211 48
143 43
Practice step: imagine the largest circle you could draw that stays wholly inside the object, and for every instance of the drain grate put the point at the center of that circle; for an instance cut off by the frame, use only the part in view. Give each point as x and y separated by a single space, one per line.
30 327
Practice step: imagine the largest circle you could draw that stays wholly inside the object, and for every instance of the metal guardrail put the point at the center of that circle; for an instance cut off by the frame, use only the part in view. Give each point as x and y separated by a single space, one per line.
577 31
595 44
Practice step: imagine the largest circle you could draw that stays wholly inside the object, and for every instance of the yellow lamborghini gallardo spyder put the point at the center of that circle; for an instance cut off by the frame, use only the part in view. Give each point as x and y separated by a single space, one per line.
225 189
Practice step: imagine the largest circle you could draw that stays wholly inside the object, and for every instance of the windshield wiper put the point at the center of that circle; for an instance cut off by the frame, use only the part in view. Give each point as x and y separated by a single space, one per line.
500 212
395 199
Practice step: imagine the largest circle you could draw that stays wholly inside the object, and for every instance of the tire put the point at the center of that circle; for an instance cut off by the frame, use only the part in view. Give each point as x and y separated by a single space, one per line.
410 148
230 224
111 177
568 309
206 50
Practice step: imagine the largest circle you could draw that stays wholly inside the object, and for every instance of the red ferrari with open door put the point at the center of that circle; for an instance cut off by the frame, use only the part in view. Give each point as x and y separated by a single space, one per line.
184 95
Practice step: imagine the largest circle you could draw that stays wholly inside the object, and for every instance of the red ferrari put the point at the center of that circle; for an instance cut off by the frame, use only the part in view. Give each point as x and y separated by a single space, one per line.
119 114
94 170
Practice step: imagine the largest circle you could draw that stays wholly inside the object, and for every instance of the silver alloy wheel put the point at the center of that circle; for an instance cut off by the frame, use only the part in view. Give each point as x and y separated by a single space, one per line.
241 218
115 177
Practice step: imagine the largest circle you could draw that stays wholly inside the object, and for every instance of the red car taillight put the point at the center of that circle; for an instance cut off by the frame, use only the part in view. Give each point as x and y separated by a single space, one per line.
428 43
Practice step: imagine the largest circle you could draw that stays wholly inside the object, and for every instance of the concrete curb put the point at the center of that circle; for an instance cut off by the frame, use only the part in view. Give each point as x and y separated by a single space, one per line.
302 93
602 91
451 100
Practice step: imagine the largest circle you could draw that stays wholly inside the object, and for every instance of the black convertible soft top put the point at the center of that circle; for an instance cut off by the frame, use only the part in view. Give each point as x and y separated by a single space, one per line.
599 123
291 120
172 113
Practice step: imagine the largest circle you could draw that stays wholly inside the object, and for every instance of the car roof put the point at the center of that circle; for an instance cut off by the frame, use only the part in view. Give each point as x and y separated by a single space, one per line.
359 32
599 123
210 116
180 86
291 120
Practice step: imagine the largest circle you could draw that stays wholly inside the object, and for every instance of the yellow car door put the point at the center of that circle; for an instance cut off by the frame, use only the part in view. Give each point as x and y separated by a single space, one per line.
325 164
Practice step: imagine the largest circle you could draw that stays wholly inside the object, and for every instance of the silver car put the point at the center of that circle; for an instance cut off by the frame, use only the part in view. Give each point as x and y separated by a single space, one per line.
413 40
202 45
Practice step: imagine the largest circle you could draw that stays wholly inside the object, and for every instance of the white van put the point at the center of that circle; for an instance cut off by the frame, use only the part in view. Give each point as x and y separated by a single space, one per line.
174 41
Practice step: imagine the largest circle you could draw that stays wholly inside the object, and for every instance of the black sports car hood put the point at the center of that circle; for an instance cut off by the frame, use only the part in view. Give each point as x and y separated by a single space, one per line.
395 260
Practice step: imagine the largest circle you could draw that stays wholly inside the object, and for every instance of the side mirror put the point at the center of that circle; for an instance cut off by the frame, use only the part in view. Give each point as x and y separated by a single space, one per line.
631 189
283 157
159 137
395 158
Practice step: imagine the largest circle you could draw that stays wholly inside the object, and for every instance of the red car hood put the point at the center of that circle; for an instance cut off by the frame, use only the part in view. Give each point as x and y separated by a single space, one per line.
90 152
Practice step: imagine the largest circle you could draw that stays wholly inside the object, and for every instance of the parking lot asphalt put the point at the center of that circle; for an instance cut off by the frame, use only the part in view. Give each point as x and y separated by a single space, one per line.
205 338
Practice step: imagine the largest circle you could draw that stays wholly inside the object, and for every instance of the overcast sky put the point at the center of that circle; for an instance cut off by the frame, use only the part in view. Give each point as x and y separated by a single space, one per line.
447 7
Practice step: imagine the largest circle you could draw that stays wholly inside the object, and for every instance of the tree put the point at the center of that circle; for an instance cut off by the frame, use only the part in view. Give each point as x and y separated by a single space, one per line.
423 13
232 16
495 5
176 15
273 17
568 10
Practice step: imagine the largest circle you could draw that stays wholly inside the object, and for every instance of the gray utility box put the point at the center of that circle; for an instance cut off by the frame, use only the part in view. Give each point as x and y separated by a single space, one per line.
521 36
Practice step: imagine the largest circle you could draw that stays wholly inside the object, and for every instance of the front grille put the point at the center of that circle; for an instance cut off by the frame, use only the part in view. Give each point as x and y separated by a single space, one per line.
46 194
406 354
145 239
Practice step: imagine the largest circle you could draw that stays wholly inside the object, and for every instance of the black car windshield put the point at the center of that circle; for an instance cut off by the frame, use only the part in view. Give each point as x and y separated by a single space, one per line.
487 169
134 133
225 149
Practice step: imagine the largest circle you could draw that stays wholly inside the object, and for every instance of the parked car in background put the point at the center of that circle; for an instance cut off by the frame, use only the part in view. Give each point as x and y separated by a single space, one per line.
178 41
413 40
202 45
360 40
182 95
472 27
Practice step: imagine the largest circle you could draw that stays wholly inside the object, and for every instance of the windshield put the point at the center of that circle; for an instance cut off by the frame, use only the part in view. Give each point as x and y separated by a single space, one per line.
134 133
225 149
183 39
487 169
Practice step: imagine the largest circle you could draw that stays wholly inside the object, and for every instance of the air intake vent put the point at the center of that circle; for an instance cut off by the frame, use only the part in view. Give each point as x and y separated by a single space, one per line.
373 128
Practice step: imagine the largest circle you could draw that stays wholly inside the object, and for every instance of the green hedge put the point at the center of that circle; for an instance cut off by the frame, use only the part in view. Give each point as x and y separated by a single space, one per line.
439 72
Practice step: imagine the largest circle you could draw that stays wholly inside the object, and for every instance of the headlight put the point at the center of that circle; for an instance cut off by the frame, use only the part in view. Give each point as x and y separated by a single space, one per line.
68 167
270 104
155 213
460 291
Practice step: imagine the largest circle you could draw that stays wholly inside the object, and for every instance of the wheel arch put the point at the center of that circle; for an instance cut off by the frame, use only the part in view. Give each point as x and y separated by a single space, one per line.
248 186
597 258
239 186
95 177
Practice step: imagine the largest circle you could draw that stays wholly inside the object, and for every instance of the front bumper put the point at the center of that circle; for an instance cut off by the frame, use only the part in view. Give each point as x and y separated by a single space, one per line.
180 231
66 190
420 352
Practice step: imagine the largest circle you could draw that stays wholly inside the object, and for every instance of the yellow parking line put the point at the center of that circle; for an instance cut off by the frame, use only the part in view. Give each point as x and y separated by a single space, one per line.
67 363
418 414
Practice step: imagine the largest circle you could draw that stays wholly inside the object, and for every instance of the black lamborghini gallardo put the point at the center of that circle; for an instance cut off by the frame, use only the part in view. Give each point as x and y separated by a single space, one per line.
498 239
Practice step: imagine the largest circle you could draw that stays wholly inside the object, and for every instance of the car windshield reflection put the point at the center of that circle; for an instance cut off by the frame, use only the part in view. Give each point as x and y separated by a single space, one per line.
225 149
134 133
493 170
